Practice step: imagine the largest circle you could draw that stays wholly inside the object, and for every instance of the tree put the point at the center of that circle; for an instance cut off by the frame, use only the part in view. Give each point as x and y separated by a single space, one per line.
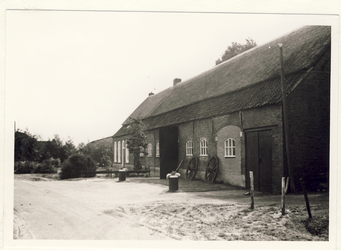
102 154
26 146
69 148
136 141
235 49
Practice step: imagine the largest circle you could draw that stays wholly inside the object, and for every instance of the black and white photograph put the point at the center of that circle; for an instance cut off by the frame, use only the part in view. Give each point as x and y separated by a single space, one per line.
165 128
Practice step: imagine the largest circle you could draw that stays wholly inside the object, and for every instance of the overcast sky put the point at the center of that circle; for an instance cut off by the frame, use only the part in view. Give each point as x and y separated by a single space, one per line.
80 74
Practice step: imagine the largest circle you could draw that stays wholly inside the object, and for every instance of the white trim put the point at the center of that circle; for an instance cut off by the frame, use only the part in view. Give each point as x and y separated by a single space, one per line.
230 148
150 150
115 151
119 152
189 148
127 154
157 150
203 147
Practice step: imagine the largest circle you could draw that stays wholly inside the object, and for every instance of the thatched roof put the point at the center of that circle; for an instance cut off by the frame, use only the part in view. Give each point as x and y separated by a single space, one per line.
249 80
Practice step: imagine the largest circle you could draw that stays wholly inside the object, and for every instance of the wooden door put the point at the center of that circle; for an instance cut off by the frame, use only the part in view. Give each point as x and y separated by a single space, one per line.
252 159
168 150
265 160
259 159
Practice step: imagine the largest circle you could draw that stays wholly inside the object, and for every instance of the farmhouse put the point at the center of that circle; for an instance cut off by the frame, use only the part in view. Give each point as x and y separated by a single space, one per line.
234 112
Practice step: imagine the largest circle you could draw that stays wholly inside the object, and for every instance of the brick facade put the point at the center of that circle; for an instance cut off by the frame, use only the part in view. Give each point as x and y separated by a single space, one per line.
241 99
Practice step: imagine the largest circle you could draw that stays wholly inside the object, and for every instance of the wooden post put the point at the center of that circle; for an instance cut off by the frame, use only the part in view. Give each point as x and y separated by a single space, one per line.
286 184
306 197
252 190
285 121
283 196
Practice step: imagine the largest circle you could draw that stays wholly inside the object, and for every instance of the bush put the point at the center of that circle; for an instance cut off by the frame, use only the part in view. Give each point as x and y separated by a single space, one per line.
47 167
75 165
318 225
24 167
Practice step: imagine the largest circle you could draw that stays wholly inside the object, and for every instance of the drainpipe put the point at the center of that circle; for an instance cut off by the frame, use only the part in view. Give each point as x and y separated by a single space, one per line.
286 122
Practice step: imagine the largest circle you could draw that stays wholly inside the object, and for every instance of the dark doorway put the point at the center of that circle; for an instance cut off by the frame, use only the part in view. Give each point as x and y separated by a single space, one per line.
259 159
168 150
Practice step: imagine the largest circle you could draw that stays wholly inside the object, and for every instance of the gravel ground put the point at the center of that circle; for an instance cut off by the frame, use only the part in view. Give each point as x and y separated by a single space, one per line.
143 209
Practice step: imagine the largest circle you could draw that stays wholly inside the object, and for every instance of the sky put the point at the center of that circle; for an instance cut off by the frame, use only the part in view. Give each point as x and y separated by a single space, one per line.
80 74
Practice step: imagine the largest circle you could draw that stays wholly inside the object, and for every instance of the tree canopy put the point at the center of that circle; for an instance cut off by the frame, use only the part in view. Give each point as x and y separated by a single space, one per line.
235 49
136 140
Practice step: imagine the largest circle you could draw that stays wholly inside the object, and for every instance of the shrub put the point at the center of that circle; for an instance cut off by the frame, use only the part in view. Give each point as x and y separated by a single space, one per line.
318 225
47 167
75 165
24 167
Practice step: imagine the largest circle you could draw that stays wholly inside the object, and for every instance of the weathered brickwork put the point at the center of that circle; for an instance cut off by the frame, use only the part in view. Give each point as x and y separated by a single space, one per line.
230 166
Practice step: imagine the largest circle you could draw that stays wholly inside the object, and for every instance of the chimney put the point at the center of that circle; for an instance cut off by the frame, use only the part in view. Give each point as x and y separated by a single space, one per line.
176 81
150 94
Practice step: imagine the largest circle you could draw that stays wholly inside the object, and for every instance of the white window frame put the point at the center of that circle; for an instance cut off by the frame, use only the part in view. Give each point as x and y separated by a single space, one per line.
203 147
189 148
157 150
119 152
230 147
115 151
127 154
123 149
150 150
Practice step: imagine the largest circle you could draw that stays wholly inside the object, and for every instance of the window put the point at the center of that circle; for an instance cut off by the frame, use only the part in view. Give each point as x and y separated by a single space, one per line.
119 152
127 154
141 152
123 148
150 147
230 148
115 151
203 147
157 150
189 148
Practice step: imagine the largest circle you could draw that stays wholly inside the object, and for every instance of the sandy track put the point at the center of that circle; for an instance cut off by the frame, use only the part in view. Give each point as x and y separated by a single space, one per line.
83 209
106 209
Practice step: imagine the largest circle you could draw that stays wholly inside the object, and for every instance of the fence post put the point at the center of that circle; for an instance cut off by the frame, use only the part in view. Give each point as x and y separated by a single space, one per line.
283 196
306 197
252 190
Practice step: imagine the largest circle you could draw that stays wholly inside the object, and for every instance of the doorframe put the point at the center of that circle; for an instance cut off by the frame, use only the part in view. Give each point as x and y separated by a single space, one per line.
258 129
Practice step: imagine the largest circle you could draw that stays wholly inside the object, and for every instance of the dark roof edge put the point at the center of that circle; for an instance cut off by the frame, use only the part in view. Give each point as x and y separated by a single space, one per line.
101 139
231 92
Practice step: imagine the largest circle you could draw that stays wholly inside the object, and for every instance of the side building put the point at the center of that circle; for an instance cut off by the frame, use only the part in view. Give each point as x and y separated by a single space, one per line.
234 112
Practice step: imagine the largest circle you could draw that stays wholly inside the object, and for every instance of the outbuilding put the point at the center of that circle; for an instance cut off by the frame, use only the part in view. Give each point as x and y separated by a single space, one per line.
234 112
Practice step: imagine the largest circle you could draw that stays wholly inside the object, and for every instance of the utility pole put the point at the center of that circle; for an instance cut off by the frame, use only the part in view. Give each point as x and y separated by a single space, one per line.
285 121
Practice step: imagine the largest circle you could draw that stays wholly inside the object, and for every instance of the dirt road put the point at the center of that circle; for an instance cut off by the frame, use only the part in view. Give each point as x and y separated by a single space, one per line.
97 208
